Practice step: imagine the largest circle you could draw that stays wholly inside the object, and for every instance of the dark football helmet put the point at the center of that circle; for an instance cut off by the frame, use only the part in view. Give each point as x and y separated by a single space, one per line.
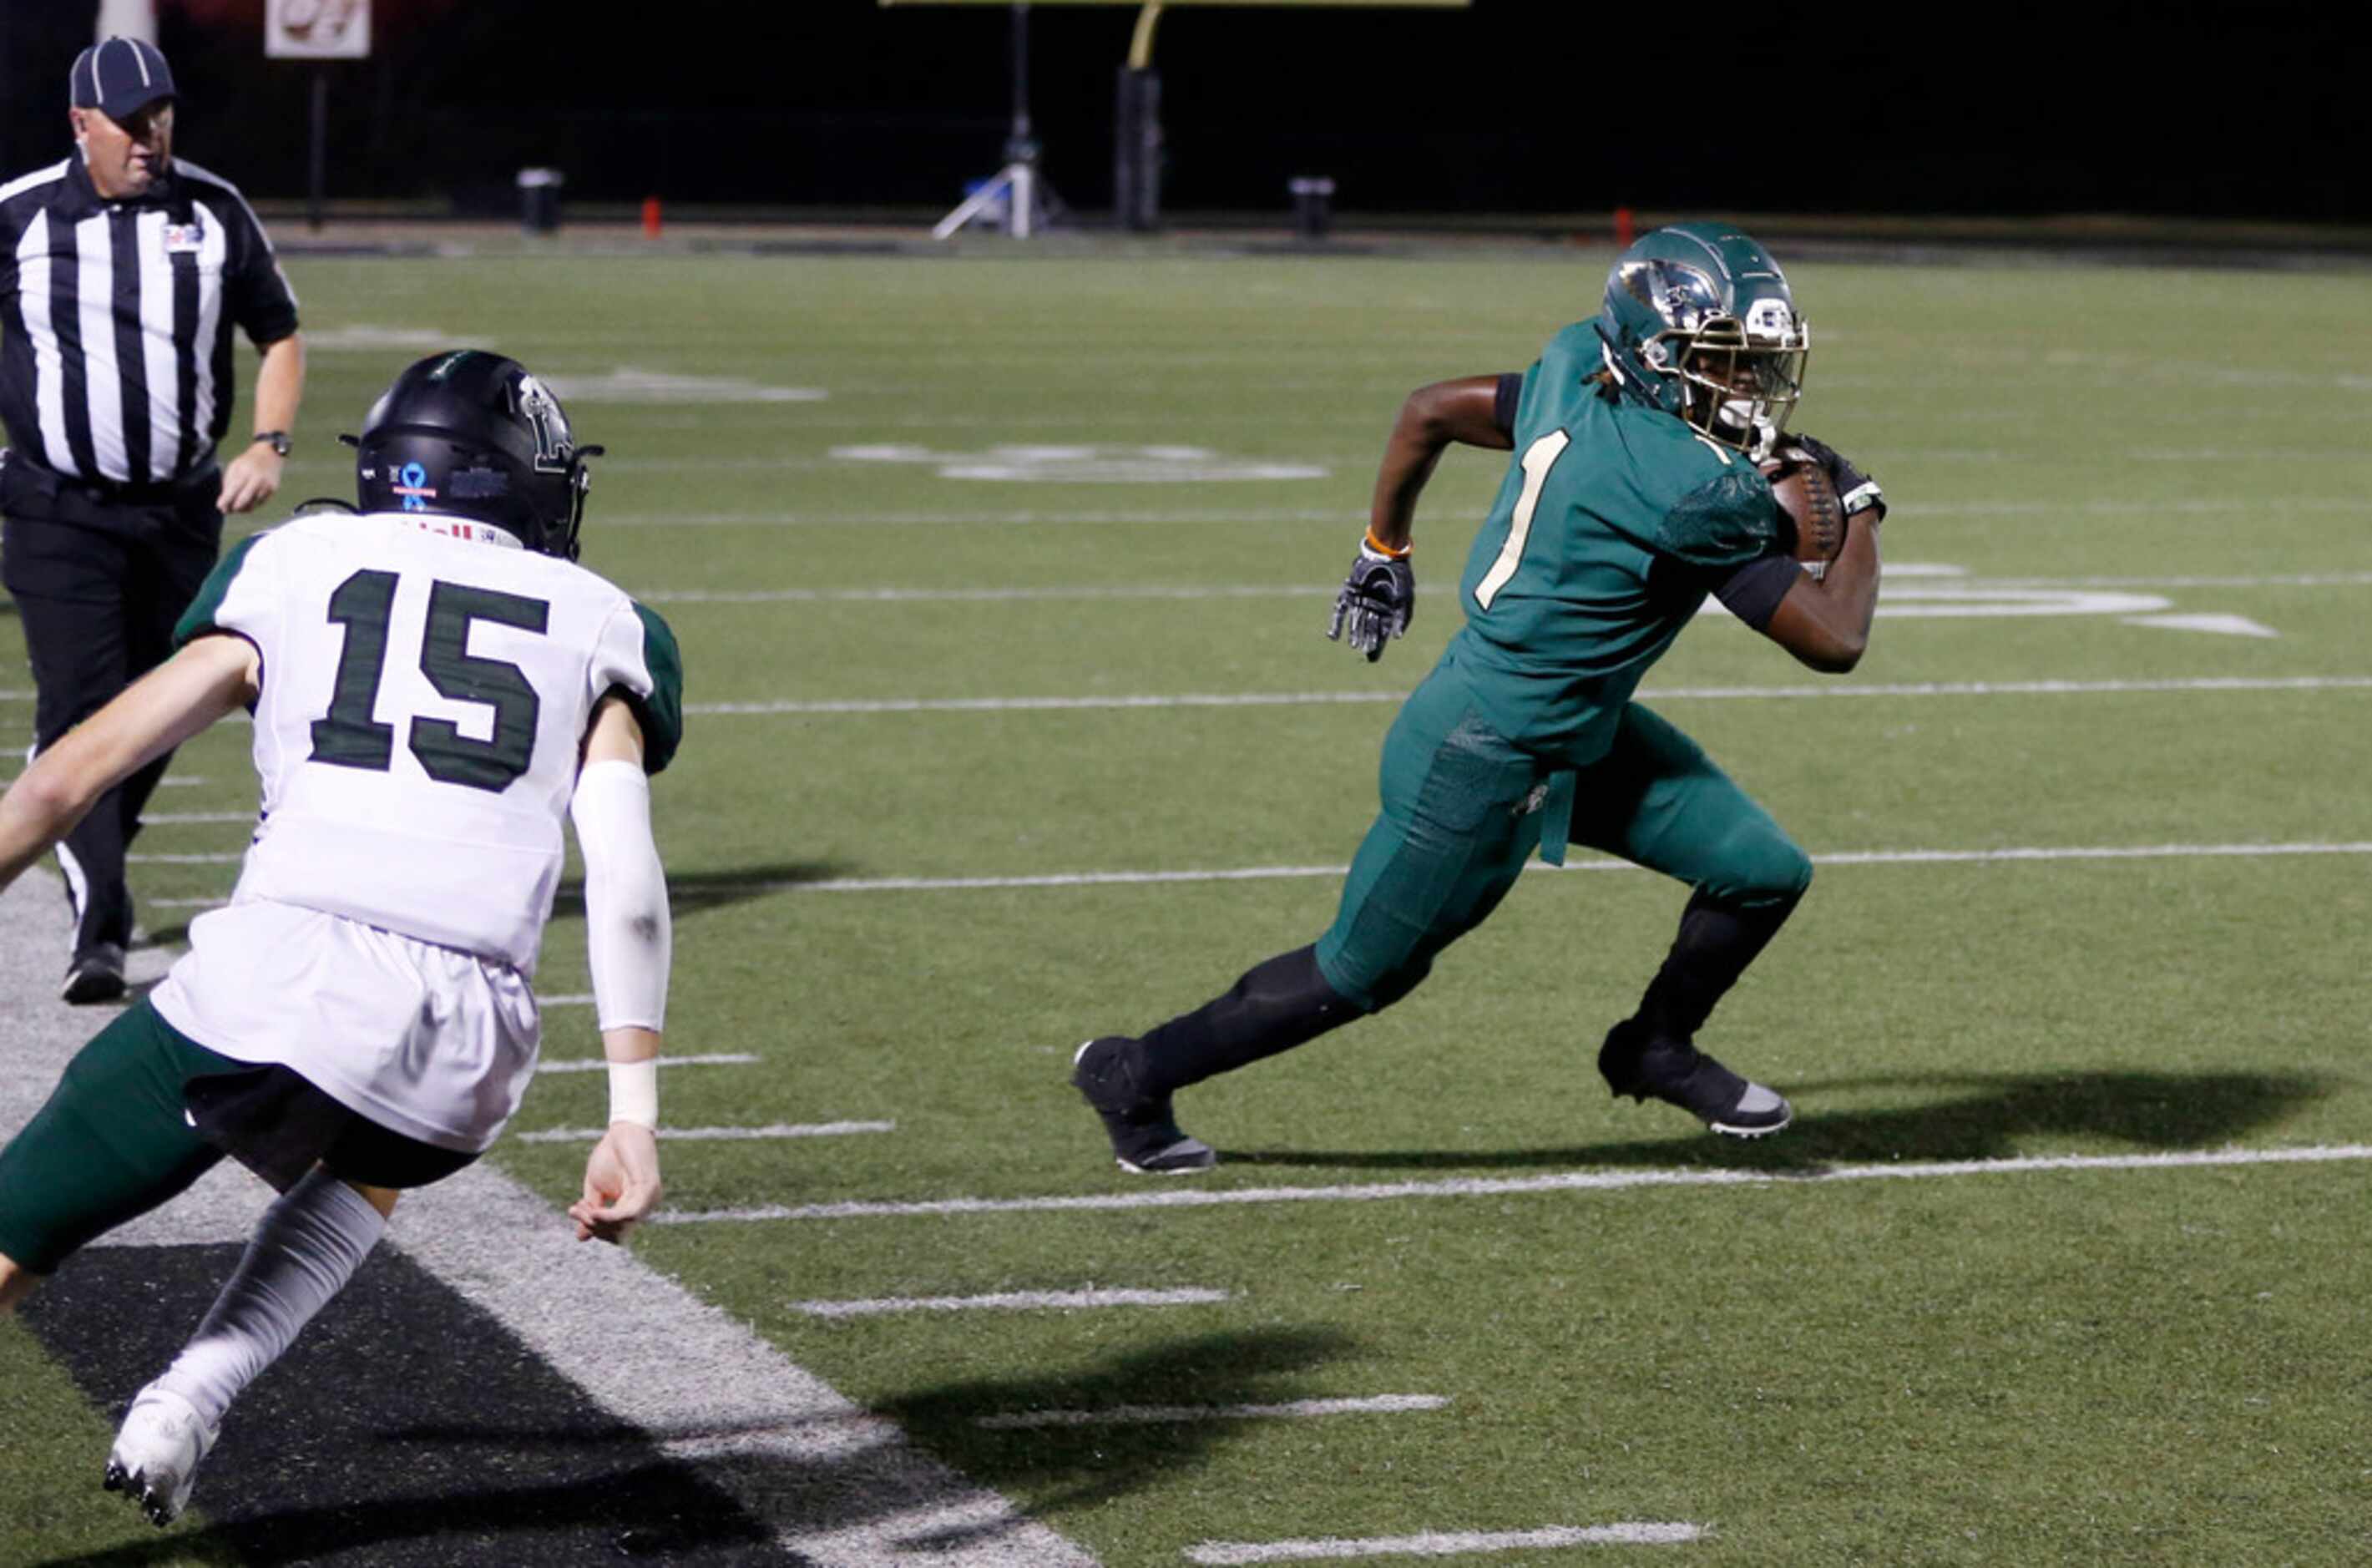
472 434
1699 321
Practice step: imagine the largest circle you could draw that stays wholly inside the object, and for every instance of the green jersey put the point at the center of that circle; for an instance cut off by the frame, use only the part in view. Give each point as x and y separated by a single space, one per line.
1613 523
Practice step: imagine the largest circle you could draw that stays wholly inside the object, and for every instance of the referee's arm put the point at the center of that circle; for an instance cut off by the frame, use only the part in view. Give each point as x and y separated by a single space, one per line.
253 476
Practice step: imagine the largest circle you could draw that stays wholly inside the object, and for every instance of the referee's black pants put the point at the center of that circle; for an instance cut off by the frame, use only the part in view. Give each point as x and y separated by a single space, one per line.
98 584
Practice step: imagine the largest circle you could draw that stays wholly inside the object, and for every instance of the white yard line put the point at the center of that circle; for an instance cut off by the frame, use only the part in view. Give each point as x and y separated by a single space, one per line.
1043 705
843 1488
2291 580
2252 506
1012 1301
969 519
1435 1543
2015 855
1591 863
1169 1415
1175 1197
2261 506
227 857
598 1064
2007 855
713 1134
1913 689
178 818
1931 583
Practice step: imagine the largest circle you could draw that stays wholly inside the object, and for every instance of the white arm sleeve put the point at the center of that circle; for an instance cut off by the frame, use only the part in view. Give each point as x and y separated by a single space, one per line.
627 934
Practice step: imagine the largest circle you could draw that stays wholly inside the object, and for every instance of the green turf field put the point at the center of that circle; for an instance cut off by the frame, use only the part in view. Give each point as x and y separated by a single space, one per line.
919 525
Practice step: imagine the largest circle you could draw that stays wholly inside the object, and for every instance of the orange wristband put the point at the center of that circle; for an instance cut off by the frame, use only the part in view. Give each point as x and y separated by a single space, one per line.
1380 548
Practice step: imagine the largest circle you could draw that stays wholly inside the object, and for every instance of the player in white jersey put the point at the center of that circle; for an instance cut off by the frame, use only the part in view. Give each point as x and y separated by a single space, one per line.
435 684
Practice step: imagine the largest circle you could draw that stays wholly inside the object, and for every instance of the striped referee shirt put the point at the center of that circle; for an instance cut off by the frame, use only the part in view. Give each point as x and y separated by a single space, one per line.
116 317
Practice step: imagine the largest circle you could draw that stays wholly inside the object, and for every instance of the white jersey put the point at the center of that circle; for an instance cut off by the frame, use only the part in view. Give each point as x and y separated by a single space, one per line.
425 696
426 689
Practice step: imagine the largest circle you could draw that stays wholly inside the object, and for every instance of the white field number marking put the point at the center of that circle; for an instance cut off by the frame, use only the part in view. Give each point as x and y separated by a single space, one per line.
1539 457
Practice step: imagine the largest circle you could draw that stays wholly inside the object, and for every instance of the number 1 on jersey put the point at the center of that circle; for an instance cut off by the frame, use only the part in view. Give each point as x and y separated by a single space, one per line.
1539 457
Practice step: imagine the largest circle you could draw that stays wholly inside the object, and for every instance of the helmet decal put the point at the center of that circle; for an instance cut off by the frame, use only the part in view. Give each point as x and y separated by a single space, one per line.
411 484
542 412
1682 295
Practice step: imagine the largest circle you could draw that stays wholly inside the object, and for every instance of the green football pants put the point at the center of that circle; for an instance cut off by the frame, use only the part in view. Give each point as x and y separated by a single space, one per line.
114 1141
1461 814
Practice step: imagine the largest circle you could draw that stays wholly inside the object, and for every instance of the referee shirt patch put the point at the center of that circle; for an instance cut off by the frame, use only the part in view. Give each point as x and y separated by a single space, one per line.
185 238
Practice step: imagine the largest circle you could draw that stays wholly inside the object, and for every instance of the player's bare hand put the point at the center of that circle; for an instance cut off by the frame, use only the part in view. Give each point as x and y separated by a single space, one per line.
622 1184
252 478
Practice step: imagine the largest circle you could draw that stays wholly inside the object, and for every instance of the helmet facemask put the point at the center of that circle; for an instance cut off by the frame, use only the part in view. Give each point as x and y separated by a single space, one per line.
1741 379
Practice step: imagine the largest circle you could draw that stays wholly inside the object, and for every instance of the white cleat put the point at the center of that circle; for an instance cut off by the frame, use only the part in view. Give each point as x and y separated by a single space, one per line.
157 1453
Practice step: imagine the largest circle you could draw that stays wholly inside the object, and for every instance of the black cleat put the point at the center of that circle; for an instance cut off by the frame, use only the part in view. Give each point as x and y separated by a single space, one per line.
96 975
1146 1137
1679 1074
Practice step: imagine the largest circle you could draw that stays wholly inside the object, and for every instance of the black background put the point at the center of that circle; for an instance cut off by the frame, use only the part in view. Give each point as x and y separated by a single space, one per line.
2241 110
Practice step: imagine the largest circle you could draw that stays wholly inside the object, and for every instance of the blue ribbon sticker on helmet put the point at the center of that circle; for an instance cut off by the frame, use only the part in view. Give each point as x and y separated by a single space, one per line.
412 483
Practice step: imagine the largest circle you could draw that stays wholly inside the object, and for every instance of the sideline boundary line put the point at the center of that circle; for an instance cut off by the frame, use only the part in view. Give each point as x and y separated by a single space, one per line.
829 1481
1503 1186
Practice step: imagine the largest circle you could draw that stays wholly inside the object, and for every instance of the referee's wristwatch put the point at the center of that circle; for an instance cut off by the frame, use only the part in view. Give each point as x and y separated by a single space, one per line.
278 439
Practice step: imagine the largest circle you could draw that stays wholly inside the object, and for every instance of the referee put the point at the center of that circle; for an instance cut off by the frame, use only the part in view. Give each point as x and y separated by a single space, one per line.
122 274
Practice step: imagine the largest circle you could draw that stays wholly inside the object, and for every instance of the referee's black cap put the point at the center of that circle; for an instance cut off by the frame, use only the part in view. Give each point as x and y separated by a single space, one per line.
119 77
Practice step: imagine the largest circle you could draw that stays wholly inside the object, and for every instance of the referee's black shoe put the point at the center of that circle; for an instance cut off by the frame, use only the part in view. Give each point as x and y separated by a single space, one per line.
1146 1137
1677 1072
96 975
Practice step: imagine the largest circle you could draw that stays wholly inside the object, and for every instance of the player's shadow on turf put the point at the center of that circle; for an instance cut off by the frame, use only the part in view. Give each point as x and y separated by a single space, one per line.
1987 1116
1067 1463
656 1512
690 891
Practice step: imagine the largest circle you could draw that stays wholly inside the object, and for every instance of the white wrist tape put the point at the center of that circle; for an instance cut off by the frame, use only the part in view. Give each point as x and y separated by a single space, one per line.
1863 496
635 1093
628 938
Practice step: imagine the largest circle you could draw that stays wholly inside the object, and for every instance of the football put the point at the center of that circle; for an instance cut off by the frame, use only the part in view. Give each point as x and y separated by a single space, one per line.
1808 500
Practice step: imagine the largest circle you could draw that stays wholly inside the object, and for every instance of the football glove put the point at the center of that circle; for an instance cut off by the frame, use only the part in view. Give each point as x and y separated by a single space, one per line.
1377 601
1856 489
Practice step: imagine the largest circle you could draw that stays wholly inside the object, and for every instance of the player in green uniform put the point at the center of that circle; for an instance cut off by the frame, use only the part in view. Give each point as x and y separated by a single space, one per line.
1635 492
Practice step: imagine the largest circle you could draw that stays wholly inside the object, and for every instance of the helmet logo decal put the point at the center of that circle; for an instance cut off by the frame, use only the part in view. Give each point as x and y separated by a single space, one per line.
1682 295
1769 318
412 483
542 412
